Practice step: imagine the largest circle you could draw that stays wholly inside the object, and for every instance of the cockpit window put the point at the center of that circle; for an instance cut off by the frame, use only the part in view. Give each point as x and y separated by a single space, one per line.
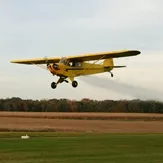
63 60
76 64
72 64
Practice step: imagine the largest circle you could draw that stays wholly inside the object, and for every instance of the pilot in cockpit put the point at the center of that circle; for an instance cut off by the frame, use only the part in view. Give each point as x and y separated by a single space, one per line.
76 64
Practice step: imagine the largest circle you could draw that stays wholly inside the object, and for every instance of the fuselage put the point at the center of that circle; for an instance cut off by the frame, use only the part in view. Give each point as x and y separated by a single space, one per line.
83 68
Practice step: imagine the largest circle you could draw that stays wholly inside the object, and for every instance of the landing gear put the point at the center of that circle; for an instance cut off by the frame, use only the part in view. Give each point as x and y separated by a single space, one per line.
61 80
74 84
111 74
66 81
53 85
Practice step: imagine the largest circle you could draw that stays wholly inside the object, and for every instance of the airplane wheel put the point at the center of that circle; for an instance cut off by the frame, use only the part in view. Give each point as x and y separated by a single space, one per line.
112 75
53 85
74 84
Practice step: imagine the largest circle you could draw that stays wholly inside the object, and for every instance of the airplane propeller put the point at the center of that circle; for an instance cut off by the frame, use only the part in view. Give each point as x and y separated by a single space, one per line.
55 66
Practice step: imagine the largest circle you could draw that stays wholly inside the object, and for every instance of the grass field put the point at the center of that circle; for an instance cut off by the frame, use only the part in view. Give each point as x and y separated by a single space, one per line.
81 148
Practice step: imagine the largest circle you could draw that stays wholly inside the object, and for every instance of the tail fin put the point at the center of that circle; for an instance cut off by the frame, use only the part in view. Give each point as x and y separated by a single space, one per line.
109 63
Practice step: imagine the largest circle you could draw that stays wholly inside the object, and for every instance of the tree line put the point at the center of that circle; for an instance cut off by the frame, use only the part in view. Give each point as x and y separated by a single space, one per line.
84 105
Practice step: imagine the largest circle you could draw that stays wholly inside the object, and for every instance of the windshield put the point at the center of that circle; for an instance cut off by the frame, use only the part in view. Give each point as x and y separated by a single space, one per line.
63 60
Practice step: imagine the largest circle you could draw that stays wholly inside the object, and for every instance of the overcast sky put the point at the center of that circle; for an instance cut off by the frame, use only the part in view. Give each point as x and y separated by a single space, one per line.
39 28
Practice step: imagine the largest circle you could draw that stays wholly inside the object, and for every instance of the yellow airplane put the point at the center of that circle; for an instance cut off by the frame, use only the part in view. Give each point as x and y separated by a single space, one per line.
73 66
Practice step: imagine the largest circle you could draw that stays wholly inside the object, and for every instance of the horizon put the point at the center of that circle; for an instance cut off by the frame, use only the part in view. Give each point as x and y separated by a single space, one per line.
84 99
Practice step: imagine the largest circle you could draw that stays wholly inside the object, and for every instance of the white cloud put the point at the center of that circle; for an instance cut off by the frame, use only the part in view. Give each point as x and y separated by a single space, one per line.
118 14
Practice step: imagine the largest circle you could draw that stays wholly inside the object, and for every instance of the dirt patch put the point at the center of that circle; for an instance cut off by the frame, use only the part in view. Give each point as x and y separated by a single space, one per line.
85 116
29 122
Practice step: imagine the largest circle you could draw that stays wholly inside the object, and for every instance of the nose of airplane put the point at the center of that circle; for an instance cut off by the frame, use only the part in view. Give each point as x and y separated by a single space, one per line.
50 68
56 66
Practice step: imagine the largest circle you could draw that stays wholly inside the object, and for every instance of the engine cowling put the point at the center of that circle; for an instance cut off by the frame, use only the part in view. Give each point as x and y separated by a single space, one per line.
56 66
53 67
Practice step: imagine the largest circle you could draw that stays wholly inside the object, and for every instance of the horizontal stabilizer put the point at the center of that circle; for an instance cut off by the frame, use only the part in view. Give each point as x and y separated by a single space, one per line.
114 66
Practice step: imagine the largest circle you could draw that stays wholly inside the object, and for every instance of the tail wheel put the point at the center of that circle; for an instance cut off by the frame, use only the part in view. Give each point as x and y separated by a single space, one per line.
74 84
53 85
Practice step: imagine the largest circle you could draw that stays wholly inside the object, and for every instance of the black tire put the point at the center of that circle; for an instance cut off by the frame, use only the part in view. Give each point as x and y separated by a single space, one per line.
74 84
53 85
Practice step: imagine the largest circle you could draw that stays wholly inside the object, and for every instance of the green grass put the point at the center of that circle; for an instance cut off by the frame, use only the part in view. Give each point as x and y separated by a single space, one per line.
81 148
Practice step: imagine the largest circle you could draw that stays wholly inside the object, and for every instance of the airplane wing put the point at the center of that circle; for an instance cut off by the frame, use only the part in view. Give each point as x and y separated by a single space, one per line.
84 57
104 55
38 61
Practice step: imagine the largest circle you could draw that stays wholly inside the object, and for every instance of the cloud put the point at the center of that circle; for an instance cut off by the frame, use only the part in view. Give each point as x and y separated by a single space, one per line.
119 14
122 24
